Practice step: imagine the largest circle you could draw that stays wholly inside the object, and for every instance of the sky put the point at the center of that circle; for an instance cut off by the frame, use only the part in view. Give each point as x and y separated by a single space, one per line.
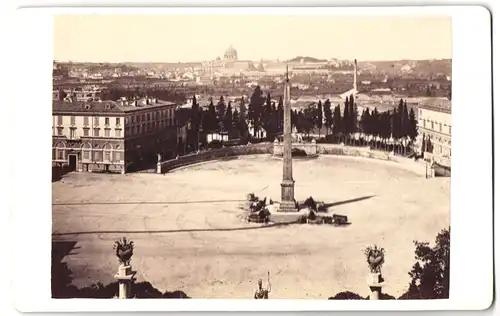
190 38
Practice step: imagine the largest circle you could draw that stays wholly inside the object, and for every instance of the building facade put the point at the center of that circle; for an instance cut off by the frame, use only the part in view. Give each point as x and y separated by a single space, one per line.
434 131
112 136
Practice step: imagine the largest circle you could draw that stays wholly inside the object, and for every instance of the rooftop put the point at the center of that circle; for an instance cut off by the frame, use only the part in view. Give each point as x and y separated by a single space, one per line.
121 106
435 104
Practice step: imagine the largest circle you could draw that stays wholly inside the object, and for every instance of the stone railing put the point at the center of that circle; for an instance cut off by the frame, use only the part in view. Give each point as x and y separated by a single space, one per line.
309 148
213 154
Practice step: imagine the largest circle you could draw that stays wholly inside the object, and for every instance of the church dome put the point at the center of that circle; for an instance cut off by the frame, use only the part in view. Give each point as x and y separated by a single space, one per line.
231 54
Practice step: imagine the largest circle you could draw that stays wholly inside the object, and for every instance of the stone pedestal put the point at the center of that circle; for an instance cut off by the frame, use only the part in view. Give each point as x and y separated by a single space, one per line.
125 278
375 283
287 203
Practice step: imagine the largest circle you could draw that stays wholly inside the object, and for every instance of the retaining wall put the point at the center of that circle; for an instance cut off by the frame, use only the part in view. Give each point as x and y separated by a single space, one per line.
213 154
269 148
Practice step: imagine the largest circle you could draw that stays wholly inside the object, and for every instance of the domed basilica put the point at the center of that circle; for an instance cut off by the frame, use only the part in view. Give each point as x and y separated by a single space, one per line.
230 63
231 54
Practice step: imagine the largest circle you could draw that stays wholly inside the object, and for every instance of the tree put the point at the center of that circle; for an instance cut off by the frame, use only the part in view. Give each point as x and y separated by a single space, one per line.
294 118
280 115
412 130
365 122
395 123
195 118
327 110
243 109
346 118
375 129
236 117
309 119
210 118
62 94
227 122
405 120
239 124
221 109
255 109
353 112
337 121
268 117
319 118
430 275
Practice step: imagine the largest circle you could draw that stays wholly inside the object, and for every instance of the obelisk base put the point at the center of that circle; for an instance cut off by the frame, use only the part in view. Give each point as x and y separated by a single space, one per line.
287 203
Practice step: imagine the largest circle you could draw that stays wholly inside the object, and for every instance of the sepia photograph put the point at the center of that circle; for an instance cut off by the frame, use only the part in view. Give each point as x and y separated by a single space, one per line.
251 156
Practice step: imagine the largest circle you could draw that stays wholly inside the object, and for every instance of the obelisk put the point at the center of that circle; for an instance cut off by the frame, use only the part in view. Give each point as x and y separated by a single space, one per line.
287 184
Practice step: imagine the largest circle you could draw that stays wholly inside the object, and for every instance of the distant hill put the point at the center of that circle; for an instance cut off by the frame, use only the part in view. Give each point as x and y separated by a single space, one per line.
418 66
307 59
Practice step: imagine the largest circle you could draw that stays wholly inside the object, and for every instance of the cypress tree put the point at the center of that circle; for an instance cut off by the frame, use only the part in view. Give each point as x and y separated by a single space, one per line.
221 109
346 118
280 115
375 126
327 110
337 121
405 121
228 118
210 118
255 109
412 125
353 112
319 118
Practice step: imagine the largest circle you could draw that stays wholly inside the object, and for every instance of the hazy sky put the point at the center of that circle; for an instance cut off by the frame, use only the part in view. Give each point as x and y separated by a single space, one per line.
173 38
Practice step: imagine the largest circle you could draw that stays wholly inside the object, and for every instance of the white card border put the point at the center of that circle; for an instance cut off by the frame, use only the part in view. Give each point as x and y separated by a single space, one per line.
471 218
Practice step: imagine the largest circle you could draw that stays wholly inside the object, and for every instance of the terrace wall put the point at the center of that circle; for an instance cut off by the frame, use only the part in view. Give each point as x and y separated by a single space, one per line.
268 148
213 154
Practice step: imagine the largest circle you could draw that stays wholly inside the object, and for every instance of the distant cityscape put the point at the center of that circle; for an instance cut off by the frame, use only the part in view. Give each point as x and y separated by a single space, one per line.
375 85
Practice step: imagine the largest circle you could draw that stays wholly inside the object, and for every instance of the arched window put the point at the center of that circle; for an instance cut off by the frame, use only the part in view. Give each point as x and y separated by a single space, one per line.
86 150
107 149
97 153
117 155
60 151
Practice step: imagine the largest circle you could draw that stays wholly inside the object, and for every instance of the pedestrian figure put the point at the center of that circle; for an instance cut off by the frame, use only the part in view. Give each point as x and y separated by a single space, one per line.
262 293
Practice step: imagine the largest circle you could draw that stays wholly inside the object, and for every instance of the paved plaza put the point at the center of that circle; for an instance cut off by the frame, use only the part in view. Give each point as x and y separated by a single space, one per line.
189 230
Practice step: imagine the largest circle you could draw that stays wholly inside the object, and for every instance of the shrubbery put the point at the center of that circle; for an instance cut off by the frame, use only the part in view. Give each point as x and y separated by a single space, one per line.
215 144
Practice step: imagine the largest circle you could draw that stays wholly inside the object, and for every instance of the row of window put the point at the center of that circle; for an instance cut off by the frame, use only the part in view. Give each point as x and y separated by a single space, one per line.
88 155
432 125
146 127
145 117
442 151
86 120
96 132
156 116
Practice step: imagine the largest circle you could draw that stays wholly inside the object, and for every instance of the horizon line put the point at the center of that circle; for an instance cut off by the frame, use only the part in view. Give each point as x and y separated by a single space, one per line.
281 61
